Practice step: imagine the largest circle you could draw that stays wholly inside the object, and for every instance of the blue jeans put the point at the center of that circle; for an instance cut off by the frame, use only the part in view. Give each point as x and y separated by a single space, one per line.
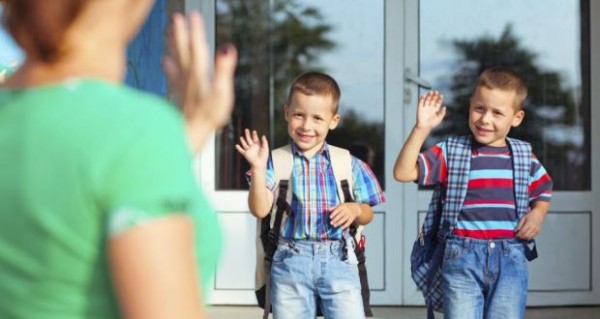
305 270
484 279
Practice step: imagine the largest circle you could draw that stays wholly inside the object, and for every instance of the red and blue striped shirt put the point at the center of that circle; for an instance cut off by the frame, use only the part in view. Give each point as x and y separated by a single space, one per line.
489 210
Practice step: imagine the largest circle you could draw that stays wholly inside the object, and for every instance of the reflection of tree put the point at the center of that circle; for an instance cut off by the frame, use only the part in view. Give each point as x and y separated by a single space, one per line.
354 129
276 40
552 108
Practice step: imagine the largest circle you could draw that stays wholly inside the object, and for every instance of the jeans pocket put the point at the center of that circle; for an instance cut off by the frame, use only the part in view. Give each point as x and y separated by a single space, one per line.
451 252
516 253
283 252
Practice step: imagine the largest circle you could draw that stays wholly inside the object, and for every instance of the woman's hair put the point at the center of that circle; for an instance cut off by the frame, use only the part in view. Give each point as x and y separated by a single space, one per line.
39 26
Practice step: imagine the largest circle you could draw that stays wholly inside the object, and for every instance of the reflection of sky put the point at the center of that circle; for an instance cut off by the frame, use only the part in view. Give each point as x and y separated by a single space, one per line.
9 52
549 28
357 61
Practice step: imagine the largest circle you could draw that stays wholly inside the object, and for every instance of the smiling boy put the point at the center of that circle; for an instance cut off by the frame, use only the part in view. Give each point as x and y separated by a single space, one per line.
484 270
314 259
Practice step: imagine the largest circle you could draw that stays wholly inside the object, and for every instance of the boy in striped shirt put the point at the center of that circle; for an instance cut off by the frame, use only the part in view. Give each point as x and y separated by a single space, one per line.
484 270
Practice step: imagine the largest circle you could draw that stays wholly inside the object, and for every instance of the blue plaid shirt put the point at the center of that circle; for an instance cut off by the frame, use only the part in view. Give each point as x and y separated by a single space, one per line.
315 194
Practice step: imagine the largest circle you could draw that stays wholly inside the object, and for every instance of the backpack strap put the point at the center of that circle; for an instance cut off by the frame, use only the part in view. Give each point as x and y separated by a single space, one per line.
341 164
458 161
283 162
521 154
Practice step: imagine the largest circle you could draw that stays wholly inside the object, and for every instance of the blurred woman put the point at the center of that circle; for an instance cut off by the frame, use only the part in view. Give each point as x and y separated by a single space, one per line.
100 213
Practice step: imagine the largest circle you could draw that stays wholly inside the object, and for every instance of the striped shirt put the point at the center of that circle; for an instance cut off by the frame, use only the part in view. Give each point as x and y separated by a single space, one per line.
315 194
489 210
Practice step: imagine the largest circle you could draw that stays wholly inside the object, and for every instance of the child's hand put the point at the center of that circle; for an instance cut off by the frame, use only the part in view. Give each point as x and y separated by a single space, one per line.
343 215
530 225
255 151
430 111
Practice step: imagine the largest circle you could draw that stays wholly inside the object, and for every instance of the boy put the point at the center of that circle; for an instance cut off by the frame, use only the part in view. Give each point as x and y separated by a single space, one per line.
484 270
314 257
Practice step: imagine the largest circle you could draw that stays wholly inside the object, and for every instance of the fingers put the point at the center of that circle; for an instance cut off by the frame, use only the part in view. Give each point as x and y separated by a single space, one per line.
264 143
431 99
250 138
171 70
178 43
520 225
198 49
225 64
526 230
341 217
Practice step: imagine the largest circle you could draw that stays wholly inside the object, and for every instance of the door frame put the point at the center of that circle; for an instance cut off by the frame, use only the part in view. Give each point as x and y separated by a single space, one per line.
563 202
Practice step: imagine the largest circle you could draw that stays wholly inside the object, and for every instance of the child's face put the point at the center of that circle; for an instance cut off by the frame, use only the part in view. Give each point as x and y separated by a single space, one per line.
310 117
491 115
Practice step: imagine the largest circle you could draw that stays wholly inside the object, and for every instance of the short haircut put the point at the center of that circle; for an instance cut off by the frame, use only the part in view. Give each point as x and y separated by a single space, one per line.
504 79
316 83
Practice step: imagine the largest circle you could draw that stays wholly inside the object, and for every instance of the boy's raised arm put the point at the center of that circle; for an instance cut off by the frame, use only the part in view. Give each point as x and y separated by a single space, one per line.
256 152
430 114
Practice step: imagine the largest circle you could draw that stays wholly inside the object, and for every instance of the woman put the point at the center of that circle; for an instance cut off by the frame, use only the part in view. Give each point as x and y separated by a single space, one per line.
100 211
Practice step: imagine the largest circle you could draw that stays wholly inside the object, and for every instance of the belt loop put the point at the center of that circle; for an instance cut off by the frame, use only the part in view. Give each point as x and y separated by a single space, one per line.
466 243
505 245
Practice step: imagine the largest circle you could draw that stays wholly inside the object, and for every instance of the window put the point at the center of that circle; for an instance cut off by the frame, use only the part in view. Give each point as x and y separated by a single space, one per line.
547 42
278 40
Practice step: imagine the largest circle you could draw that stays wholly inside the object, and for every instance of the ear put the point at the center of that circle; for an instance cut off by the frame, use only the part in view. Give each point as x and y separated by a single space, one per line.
518 118
334 121
286 113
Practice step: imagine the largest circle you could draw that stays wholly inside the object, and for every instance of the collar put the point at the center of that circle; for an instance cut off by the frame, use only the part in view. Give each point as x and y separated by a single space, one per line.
324 150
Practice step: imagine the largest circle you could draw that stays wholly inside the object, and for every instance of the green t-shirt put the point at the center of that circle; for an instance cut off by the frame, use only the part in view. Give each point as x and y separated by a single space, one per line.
81 161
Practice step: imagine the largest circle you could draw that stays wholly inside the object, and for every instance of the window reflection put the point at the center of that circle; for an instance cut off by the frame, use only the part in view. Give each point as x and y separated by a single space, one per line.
547 42
277 40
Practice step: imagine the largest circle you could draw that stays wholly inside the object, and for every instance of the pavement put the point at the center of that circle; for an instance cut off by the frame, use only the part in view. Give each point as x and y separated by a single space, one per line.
251 312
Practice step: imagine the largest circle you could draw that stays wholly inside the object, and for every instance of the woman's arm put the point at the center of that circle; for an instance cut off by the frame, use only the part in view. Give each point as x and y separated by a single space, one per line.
154 270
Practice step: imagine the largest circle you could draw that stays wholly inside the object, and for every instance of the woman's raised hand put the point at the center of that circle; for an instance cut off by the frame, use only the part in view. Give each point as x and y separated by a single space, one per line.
205 102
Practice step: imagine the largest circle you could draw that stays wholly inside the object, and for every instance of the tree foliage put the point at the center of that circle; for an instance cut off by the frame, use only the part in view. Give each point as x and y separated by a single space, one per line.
548 91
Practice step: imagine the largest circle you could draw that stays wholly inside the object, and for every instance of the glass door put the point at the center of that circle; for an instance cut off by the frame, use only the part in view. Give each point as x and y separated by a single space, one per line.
548 42
277 40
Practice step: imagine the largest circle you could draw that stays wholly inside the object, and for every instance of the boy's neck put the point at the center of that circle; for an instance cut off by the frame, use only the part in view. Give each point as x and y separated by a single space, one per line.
309 154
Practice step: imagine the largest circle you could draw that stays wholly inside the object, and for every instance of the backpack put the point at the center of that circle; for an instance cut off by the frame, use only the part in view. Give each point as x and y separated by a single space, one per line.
268 228
428 249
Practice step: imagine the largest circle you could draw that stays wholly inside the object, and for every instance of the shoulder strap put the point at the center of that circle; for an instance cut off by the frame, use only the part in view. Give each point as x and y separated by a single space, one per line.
341 164
458 161
521 155
283 163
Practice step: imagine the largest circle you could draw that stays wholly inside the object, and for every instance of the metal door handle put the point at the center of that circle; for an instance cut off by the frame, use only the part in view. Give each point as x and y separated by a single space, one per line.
411 77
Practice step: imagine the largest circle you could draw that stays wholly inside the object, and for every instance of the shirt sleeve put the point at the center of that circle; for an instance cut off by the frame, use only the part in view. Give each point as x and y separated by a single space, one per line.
432 165
270 176
145 169
366 189
540 183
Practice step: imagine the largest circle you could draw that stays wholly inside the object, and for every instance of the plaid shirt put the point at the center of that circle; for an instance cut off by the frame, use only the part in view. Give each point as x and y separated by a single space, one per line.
315 194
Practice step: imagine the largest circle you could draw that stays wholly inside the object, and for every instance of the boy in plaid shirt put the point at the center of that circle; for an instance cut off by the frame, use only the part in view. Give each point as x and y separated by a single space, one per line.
314 257
484 269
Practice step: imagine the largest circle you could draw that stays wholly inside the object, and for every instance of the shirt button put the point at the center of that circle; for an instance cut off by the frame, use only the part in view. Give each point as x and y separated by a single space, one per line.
492 245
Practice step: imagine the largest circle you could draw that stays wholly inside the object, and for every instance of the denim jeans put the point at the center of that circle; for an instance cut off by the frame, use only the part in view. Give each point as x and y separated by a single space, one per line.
305 270
484 279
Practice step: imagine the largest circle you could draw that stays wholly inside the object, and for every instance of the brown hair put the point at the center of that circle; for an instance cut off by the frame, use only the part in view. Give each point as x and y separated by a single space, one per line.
316 83
39 26
504 79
